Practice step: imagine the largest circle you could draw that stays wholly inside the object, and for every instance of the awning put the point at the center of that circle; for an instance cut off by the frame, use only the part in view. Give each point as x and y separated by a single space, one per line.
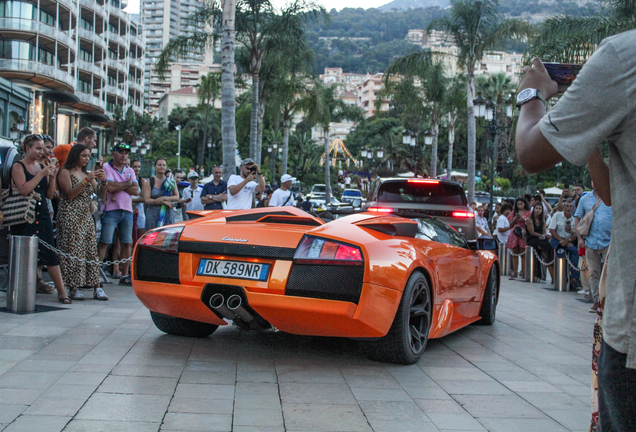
62 97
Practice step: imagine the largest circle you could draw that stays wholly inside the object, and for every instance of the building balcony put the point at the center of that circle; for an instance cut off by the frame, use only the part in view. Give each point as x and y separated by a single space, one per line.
117 39
90 103
115 92
135 85
29 27
37 73
137 109
136 63
94 6
91 68
118 13
93 37
118 65
69 4
136 39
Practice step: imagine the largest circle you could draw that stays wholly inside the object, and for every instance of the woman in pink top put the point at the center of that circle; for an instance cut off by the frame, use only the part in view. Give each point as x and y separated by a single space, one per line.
516 242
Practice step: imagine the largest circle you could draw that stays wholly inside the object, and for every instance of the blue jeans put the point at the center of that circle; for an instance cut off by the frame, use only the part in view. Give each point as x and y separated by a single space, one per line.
573 254
113 219
616 392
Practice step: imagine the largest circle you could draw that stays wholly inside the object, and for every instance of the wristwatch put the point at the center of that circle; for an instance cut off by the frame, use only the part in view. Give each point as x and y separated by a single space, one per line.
525 96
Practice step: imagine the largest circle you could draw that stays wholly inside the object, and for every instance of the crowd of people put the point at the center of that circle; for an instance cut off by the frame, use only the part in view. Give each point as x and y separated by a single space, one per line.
88 215
532 221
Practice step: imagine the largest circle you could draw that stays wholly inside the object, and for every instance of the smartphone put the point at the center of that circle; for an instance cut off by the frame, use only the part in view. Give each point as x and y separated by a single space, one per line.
563 73
98 165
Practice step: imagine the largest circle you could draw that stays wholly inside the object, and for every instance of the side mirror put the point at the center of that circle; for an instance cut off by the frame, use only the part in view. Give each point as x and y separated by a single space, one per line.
483 244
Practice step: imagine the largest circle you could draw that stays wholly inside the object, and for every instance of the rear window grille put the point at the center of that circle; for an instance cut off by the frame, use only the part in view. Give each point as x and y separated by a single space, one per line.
329 282
155 266
232 249
253 217
290 220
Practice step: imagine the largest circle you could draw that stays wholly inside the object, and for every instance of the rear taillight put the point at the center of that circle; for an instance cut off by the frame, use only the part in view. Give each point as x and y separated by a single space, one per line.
164 240
463 214
426 181
380 209
315 250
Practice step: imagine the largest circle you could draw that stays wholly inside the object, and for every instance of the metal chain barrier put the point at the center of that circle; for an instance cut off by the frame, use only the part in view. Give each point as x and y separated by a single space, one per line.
81 260
543 263
514 254
575 268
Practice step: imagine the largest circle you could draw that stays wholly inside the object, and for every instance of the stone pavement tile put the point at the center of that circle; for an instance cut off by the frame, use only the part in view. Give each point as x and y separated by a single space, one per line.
38 423
205 391
412 376
7 365
393 411
15 355
572 390
370 377
455 421
132 408
450 361
440 406
211 367
257 396
29 380
256 371
511 406
138 385
32 343
317 393
71 391
519 375
530 386
197 422
380 394
202 377
202 406
573 419
258 417
473 387
83 378
148 371
559 401
55 407
313 417
59 351
37 331
522 425
403 426
110 426
18 396
426 393
237 428
30 365
463 374
8 413
308 374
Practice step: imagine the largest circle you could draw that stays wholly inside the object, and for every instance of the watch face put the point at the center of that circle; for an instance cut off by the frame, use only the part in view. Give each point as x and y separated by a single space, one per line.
525 95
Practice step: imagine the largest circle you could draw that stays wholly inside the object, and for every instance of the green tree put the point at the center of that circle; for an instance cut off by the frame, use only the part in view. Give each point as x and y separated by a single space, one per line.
209 91
476 26
455 101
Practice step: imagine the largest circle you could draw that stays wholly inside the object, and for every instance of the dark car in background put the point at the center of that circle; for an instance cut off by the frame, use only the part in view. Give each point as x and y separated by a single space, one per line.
442 199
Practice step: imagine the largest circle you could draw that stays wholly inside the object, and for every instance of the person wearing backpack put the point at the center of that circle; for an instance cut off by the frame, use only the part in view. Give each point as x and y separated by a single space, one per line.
597 239
283 196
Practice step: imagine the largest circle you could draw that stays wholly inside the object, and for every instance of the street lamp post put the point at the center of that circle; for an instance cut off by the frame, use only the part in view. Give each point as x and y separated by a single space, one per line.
209 154
178 127
487 110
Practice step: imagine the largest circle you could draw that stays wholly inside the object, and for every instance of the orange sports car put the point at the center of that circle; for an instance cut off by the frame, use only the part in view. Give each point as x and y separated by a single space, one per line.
391 282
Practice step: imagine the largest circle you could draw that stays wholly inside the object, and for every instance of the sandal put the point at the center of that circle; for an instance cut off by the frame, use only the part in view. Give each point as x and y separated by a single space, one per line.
44 288
65 300
116 275
75 294
512 276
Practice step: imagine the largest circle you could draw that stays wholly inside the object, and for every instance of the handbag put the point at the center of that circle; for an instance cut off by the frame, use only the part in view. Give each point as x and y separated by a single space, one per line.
518 232
583 228
17 208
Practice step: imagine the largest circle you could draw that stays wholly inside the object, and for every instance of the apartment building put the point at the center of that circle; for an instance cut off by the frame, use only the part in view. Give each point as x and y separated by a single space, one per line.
80 60
368 94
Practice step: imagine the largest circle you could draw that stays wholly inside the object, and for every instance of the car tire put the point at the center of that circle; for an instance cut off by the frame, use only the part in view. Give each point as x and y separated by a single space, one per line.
489 303
406 340
182 327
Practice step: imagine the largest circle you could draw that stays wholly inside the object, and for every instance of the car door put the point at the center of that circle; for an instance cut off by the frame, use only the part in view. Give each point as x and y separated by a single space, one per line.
441 258
465 262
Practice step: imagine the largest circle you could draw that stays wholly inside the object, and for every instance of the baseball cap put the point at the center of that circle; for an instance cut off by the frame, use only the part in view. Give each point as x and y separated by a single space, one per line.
247 161
285 178
192 174
120 147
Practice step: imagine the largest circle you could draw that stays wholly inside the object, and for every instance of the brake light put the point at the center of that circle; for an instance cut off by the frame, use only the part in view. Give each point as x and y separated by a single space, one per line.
381 209
463 214
429 181
315 250
164 240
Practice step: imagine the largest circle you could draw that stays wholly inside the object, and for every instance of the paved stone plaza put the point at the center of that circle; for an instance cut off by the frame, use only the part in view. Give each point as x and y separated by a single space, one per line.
103 366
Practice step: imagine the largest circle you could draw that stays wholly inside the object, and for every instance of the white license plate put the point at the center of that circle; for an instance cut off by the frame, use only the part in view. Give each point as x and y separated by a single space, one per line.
233 269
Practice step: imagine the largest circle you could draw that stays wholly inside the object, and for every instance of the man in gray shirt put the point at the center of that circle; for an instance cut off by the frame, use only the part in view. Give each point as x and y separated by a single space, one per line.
600 105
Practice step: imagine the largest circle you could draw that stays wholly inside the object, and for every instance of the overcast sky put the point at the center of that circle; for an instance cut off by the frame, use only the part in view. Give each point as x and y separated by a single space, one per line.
133 5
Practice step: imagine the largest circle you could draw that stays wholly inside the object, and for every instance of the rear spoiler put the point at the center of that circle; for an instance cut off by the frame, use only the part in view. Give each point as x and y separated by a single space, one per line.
391 225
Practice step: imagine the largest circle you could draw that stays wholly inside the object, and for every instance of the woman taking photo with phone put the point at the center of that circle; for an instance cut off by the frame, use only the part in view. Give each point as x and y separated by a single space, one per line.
160 193
537 238
516 240
75 226
30 175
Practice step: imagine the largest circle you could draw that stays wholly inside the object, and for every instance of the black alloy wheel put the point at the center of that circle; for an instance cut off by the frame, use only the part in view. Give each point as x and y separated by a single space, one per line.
489 303
419 317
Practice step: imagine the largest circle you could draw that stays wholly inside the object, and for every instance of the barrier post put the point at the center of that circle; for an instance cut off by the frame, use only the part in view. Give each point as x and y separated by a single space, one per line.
561 269
23 266
504 259
530 264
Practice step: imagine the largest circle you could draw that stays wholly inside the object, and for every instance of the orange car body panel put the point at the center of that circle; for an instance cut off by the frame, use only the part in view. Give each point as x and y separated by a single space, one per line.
457 287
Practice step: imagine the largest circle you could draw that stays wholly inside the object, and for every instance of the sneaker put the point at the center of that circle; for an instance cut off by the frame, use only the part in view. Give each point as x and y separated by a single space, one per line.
75 294
125 280
581 291
99 294
594 307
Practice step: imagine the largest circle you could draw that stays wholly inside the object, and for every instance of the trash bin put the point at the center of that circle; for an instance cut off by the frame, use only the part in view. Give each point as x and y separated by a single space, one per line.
530 263
23 266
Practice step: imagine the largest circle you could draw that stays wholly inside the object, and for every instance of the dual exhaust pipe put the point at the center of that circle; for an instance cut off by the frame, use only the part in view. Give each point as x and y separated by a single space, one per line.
231 309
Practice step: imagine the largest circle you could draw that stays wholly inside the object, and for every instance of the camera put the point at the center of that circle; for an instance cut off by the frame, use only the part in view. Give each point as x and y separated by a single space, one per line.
253 169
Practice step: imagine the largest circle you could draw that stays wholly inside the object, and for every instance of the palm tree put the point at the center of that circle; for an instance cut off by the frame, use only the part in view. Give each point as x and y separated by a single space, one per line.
476 27
209 90
322 106
433 82
455 100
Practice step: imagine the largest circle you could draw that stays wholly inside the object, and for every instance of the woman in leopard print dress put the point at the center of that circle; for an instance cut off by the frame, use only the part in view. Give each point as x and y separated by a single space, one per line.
75 225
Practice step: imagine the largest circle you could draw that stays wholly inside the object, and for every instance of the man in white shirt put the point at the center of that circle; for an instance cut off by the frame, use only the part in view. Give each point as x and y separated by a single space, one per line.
192 194
503 224
241 188
481 223
564 238
283 196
